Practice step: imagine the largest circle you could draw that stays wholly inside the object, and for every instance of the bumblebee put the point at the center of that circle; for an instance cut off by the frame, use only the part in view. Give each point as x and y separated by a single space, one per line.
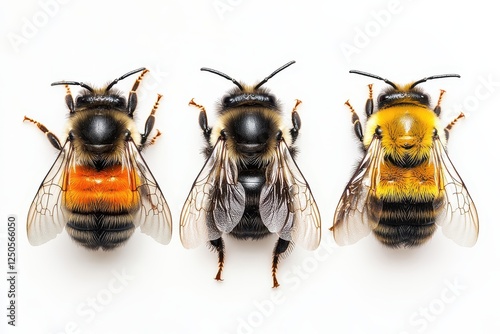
250 185
100 188
406 184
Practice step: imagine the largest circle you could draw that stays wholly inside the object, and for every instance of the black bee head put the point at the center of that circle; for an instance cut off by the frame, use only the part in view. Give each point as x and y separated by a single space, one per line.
99 99
393 96
249 97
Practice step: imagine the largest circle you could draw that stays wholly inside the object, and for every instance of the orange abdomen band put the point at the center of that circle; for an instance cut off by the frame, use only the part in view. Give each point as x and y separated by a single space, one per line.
111 190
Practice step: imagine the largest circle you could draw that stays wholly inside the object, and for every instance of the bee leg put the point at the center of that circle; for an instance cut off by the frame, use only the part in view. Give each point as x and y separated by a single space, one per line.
355 122
69 100
150 122
50 136
294 132
279 249
153 140
202 120
218 245
369 101
132 95
452 123
437 109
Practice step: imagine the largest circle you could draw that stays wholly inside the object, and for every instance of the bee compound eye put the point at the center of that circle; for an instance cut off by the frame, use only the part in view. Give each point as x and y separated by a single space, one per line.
279 135
382 98
378 131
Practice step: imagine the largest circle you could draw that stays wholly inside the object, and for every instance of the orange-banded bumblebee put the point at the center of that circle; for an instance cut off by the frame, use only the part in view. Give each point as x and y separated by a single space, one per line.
250 185
406 183
100 187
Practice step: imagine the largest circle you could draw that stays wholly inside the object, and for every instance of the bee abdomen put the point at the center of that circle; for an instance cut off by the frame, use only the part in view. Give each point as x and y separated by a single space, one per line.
251 225
406 224
396 236
102 205
96 230
407 213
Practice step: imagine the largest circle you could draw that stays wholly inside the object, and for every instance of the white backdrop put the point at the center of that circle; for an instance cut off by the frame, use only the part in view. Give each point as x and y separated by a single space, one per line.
145 287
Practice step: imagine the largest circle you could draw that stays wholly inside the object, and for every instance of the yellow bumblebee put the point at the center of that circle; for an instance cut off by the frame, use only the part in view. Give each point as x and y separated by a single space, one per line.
406 184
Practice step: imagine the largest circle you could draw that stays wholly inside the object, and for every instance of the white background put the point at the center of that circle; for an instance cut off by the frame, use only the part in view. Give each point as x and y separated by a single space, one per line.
364 288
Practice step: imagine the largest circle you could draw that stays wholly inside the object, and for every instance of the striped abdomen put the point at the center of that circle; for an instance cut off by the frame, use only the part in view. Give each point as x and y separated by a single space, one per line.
102 204
409 196
251 225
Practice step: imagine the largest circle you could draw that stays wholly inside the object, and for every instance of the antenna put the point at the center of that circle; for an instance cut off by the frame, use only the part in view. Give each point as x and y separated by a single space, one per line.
434 77
123 77
84 85
222 75
274 73
413 85
374 76
238 84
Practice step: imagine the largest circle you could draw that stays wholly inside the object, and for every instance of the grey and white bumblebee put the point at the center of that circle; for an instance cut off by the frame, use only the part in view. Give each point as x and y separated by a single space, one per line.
250 185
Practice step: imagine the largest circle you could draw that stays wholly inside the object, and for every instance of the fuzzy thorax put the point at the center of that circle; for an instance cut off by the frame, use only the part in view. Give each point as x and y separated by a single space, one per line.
251 133
407 132
121 124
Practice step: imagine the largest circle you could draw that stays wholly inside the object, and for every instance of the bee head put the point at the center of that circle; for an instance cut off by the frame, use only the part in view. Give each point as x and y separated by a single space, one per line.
100 122
403 94
250 120
99 98
244 95
400 95
249 96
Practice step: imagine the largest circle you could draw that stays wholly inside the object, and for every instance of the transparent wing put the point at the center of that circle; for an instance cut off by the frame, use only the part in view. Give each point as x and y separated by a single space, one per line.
287 206
154 216
458 217
47 215
216 201
359 209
